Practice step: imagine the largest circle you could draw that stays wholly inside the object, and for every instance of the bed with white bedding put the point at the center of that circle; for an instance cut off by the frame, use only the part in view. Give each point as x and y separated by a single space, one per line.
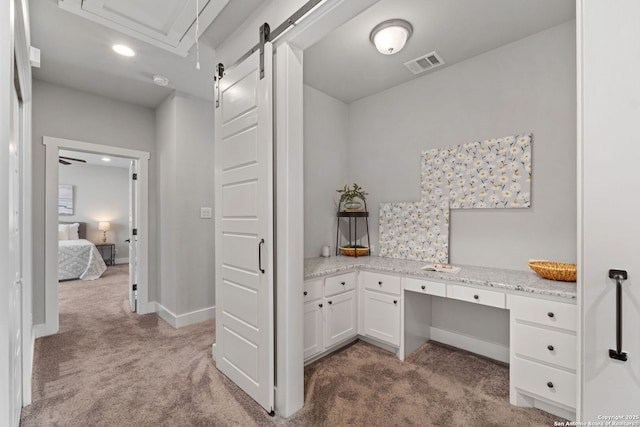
78 258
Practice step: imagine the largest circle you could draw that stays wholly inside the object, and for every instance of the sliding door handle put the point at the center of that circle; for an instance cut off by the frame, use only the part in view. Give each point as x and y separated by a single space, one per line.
260 256
619 276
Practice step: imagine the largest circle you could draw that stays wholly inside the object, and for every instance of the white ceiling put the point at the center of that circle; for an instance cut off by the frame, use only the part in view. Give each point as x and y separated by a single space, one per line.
347 66
94 160
76 52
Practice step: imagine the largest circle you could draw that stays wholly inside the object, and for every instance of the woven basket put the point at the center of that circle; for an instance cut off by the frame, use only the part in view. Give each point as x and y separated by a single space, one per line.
354 251
554 270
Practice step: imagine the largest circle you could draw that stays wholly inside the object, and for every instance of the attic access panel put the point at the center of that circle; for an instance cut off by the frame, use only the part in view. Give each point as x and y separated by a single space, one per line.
168 25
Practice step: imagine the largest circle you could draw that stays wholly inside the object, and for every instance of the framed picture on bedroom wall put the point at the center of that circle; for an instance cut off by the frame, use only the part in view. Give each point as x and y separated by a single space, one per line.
65 200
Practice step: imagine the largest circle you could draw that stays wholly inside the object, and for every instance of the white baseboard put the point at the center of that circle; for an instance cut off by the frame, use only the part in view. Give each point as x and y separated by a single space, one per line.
41 330
213 351
474 345
122 261
181 320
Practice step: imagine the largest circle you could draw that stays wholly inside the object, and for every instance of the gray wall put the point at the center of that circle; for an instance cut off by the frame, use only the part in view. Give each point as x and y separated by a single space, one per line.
67 113
166 140
325 167
185 131
100 193
526 86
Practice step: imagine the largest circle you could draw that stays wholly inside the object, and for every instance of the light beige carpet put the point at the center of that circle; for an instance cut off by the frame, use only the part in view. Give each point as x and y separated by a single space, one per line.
108 367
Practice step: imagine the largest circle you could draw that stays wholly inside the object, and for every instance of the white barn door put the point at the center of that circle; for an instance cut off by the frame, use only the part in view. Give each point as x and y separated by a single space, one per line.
244 227
608 210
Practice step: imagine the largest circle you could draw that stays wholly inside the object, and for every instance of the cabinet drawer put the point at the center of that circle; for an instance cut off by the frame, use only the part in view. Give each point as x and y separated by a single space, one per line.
479 296
550 383
425 287
548 346
381 282
337 284
547 313
312 290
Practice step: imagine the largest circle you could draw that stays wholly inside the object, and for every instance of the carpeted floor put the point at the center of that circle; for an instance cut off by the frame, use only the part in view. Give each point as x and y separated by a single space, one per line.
108 367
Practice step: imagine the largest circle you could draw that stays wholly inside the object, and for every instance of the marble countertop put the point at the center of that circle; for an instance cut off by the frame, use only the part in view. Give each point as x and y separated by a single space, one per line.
512 280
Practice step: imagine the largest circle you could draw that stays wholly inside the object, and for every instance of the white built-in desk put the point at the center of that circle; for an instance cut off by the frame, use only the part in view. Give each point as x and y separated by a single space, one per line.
388 302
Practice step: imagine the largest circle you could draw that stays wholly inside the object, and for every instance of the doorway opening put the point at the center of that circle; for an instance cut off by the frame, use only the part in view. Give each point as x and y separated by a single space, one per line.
96 228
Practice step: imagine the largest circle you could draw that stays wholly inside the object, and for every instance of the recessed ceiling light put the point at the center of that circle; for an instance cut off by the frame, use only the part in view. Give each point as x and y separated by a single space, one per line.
106 159
123 50
160 80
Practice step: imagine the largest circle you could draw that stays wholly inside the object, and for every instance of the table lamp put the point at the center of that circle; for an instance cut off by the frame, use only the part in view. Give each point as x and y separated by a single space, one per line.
104 227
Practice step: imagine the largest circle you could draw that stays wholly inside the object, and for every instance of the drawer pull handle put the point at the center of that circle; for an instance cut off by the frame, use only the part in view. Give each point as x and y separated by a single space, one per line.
550 314
320 305
550 384
423 287
305 293
550 348
380 283
395 301
330 302
476 296
343 283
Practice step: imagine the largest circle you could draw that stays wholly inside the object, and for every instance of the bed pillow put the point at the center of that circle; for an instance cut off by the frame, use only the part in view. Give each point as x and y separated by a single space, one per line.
63 232
73 231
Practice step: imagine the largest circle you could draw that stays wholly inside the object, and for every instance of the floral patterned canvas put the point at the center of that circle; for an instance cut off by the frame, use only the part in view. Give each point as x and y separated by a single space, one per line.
417 231
495 173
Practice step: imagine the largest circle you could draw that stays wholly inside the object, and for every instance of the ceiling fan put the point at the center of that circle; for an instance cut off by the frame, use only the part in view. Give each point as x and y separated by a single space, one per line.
64 160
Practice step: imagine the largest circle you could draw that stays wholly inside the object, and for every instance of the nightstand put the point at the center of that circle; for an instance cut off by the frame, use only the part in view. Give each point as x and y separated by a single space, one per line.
108 252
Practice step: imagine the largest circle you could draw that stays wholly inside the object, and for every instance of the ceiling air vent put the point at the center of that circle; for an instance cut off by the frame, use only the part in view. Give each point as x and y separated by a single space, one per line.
424 63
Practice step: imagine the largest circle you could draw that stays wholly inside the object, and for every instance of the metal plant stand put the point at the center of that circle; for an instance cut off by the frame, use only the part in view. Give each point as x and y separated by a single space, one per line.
352 218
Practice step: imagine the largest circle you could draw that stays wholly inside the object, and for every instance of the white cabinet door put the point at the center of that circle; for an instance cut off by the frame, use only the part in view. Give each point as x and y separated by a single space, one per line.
340 318
382 316
313 328
244 228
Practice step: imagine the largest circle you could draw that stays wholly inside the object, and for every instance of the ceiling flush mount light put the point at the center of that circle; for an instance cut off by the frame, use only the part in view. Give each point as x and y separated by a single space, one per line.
105 159
123 50
160 80
390 36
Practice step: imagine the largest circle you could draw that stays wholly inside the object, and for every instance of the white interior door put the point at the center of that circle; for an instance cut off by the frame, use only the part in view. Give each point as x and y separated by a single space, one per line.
608 212
133 236
15 262
244 228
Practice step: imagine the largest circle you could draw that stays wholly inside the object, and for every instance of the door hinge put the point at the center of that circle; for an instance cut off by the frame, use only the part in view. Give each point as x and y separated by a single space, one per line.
134 177
134 287
134 232
265 31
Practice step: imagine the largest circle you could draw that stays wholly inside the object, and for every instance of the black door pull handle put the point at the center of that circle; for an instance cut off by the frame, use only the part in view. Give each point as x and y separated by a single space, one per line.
617 353
260 256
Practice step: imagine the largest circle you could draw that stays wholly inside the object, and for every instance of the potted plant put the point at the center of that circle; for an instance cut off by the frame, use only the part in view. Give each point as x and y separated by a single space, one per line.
348 197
